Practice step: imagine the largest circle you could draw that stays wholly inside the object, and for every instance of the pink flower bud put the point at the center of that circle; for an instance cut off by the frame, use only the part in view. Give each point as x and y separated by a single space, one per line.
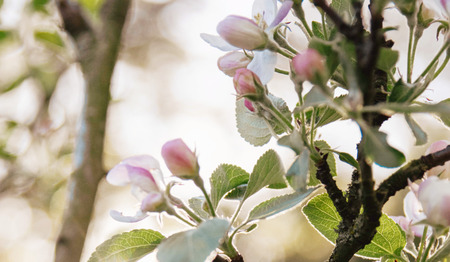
434 195
153 202
249 105
242 32
246 83
308 66
441 171
232 61
180 160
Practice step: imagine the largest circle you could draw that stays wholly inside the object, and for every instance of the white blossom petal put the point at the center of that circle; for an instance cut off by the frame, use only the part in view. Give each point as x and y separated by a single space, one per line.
263 65
218 42
142 161
118 216
282 13
266 8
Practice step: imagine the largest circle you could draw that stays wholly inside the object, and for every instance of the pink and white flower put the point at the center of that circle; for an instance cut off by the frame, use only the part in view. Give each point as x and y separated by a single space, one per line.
144 175
434 195
267 18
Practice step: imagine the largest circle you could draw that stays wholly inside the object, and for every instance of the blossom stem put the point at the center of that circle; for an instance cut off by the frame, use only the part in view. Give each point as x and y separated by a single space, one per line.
191 214
172 212
281 71
427 251
409 62
324 26
269 107
199 183
436 57
284 53
444 64
422 243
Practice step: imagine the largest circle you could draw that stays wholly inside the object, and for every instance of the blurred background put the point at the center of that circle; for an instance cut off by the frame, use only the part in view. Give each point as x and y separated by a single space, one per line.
166 85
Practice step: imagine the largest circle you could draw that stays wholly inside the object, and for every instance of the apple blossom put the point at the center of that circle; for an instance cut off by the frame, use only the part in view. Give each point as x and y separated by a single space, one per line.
267 18
180 160
247 84
143 174
249 105
413 214
441 171
232 61
434 195
308 66
242 32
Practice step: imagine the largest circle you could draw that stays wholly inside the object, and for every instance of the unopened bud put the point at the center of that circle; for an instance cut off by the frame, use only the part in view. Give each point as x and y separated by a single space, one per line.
180 160
247 84
309 66
232 61
242 32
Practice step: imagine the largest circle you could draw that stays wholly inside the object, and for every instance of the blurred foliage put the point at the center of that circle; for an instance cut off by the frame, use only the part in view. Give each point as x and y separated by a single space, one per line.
37 127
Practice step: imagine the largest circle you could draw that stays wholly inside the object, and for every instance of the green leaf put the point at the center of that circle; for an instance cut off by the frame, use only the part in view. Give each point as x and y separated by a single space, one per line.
378 150
128 246
39 5
5 35
267 171
297 174
51 38
237 193
343 8
387 59
197 204
254 128
345 157
92 6
445 118
293 141
317 30
278 204
404 92
193 245
331 161
419 134
323 115
224 179
441 253
387 242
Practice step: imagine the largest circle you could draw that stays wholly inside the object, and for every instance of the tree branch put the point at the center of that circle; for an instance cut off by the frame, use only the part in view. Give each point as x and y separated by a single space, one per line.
97 55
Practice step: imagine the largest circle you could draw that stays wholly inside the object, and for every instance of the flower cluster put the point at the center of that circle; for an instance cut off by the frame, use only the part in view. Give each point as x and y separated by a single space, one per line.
144 175
429 202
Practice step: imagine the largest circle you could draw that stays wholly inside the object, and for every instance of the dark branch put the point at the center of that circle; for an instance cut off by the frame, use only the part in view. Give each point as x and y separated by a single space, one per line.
335 194
413 171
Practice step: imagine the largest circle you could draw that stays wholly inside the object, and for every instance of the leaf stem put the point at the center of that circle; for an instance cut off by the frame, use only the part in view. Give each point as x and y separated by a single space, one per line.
409 62
199 183
444 64
436 57
422 243
191 214
269 107
324 26
427 251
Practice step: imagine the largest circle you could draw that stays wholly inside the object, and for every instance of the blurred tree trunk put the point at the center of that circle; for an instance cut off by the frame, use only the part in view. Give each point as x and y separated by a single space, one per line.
97 49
